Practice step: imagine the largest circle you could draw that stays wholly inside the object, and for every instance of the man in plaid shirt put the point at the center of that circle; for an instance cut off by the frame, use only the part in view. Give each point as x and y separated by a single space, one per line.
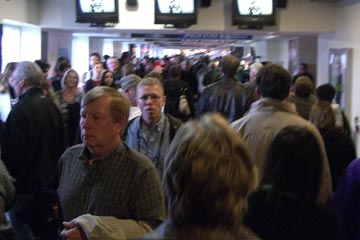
107 190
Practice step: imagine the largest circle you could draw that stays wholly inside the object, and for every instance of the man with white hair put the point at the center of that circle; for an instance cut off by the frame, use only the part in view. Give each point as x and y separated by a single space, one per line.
32 142
251 84
128 88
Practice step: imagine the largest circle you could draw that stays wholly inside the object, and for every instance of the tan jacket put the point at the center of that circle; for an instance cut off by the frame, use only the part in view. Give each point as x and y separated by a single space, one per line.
264 120
110 228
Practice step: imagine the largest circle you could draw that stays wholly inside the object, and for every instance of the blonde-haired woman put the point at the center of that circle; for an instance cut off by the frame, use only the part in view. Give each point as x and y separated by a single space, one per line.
69 98
208 174
339 146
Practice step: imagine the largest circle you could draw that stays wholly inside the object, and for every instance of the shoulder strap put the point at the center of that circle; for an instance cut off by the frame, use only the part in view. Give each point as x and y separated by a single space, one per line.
174 125
125 130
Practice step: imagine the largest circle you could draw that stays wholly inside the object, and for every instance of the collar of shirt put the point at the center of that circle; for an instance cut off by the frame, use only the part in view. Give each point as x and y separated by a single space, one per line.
154 141
99 162
30 93
158 127
270 104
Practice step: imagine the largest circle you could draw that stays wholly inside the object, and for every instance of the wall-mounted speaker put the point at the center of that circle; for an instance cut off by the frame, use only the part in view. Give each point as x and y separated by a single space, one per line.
281 3
131 3
205 3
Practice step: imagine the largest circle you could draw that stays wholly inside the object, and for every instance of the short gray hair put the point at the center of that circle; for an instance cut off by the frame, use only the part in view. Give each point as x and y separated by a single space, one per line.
29 71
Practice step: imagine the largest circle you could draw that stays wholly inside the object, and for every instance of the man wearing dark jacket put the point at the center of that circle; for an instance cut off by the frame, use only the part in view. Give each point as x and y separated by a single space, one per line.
32 143
227 96
152 132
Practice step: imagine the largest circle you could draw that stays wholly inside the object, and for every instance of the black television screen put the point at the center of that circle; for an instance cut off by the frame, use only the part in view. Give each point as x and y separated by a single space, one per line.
97 11
253 13
180 13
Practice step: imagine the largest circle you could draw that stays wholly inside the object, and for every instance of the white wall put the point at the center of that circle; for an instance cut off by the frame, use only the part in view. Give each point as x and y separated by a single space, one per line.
20 42
308 52
26 11
23 16
299 16
307 16
277 52
260 49
61 14
59 44
80 52
346 36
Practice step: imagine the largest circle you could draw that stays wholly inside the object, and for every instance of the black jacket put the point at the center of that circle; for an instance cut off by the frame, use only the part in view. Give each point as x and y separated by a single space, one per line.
227 96
290 218
173 90
33 141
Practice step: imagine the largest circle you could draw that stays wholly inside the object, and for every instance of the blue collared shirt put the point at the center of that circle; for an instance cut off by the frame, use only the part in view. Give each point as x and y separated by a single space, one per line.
152 142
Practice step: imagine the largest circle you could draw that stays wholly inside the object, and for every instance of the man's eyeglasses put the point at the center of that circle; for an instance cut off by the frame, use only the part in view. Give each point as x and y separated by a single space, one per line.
153 98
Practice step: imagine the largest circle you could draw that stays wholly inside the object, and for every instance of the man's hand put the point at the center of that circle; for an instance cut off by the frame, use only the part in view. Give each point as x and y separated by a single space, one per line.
71 232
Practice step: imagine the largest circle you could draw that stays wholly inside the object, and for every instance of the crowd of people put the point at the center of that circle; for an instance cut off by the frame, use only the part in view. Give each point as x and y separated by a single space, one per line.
173 149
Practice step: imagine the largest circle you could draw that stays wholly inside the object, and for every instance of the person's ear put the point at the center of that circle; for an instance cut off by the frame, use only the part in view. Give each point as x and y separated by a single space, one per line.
138 101
289 94
22 83
257 92
120 125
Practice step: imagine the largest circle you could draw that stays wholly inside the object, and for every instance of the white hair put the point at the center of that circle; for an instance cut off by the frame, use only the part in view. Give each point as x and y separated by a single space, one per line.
29 71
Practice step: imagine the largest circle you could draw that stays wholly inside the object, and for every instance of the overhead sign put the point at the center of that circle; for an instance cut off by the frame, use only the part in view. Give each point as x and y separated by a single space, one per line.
216 36
193 36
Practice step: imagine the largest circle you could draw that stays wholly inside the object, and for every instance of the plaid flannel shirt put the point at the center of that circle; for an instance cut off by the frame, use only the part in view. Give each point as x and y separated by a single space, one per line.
123 184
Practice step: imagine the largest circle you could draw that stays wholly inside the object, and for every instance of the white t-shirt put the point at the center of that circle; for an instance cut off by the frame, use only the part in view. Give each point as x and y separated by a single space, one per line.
5 106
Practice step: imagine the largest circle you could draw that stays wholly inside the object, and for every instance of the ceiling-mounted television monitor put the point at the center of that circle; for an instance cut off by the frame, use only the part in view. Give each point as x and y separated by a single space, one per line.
97 11
179 13
253 13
